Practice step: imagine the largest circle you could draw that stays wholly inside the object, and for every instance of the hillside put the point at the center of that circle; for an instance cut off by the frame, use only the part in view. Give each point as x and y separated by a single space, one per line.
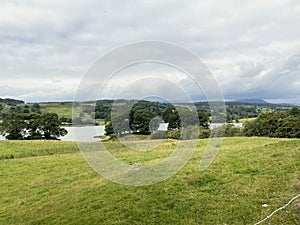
100 110
48 182
252 100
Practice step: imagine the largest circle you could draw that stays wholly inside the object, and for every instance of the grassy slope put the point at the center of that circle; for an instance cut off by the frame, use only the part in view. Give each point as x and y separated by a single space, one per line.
50 183
62 109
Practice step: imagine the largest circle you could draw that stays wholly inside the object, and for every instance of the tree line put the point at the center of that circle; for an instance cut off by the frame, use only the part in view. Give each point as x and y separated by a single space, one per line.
11 101
32 126
144 117
146 120
234 110
275 124
281 124
15 106
101 109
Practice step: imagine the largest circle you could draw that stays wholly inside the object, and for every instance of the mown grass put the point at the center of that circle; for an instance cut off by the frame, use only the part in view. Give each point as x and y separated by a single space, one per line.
56 186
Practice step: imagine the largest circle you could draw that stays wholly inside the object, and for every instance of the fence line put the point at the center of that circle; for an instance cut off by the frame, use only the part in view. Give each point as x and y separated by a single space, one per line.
281 208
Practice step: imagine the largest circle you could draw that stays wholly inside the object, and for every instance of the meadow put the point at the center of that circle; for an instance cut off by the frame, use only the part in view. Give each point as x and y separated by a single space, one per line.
63 109
49 182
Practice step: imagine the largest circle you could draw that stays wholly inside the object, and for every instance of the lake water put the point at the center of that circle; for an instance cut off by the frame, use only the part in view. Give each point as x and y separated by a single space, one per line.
86 134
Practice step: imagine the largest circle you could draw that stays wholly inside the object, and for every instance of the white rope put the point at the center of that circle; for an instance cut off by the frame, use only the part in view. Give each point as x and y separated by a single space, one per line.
281 208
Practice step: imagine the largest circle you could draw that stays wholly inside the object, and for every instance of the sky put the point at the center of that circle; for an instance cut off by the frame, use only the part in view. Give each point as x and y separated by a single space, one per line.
252 48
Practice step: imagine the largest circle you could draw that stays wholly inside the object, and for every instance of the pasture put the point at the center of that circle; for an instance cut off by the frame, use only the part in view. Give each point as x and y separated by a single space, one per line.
49 182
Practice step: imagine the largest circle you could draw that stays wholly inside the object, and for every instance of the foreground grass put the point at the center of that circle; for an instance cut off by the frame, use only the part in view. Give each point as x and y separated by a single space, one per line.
48 182
21 149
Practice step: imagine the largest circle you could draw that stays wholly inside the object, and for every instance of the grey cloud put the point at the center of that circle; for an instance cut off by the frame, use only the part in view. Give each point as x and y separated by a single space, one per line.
251 47
267 81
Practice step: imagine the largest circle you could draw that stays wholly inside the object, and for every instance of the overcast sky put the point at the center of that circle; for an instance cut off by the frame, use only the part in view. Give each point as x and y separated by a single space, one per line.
251 47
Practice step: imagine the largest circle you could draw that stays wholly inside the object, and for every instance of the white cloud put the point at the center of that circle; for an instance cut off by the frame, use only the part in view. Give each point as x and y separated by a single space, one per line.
251 47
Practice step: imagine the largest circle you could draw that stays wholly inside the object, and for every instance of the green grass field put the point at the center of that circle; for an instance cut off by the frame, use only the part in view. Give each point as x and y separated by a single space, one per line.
49 182
63 109
246 120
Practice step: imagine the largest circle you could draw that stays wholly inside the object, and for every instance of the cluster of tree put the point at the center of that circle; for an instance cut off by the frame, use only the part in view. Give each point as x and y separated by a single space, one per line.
145 120
270 124
230 131
234 110
19 109
65 120
240 110
32 126
138 121
184 118
11 102
144 117
275 124
103 107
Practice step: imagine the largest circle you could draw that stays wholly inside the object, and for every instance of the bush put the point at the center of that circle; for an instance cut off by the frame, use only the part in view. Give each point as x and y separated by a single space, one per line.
191 132
173 134
204 133
230 131
158 135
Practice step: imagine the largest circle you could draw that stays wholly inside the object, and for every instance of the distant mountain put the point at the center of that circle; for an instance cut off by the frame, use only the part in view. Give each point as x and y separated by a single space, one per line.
252 100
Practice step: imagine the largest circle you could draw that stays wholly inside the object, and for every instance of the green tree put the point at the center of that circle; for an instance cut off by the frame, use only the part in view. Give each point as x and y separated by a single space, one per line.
141 121
48 125
108 129
203 120
63 119
289 127
25 110
172 117
119 123
13 127
36 108
228 118
265 124
32 126
294 111
187 118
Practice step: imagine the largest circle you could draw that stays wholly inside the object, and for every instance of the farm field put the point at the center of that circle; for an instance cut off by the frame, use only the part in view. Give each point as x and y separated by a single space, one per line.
49 182
63 109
